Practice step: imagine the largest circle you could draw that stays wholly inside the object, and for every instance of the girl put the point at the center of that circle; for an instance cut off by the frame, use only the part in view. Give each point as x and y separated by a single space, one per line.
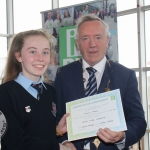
30 113
67 20
57 23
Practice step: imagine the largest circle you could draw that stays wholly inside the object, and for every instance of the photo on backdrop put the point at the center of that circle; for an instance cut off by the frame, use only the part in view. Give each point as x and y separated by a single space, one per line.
60 23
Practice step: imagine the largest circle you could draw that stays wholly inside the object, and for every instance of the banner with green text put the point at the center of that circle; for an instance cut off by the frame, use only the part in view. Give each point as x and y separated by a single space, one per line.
67 45
60 24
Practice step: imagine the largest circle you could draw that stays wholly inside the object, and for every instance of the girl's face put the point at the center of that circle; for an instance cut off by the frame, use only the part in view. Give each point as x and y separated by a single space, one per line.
66 13
34 57
86 7
49 15
58 15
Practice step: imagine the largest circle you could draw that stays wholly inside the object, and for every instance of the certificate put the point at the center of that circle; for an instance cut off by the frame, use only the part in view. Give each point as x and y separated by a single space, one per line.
89 114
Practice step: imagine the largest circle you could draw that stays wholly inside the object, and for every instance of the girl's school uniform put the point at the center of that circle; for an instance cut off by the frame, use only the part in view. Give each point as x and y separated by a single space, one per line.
30 122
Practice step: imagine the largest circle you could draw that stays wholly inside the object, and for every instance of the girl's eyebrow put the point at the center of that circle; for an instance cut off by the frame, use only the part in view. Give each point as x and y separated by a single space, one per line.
31 48
36 48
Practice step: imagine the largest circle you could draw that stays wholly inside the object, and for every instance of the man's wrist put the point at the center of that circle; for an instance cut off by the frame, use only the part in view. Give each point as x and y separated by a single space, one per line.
58 133
122 139
66 142
62 147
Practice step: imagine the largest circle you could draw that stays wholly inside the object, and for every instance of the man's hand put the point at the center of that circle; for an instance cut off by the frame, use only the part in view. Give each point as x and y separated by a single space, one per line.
70 145
109 136
62 126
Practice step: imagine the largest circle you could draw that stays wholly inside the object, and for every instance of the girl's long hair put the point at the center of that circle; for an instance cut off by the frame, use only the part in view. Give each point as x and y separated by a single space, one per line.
13 67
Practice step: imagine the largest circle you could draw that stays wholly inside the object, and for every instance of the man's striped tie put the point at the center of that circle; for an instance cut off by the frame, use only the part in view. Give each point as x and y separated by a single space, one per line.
91 87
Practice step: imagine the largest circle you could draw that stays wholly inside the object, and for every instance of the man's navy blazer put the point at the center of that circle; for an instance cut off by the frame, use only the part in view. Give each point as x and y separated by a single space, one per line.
69 86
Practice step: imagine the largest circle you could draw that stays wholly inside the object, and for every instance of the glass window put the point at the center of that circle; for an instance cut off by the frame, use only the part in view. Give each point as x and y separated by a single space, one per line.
2 66
128 40
3 54
27 14
3 24
3 49
126 4
147 2
121 5
147 35
148 96
63 3
137 76
149 139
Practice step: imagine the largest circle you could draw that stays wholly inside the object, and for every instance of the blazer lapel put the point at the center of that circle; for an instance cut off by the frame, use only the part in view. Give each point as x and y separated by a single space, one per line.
78 77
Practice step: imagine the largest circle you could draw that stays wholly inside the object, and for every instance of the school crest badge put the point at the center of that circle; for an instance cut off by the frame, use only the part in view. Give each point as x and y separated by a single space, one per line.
28 109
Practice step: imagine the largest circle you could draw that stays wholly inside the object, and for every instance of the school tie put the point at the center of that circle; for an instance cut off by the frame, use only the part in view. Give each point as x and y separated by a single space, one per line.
91 87
39 89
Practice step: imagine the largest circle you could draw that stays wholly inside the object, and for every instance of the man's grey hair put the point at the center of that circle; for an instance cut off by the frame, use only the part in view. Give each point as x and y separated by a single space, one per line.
91 17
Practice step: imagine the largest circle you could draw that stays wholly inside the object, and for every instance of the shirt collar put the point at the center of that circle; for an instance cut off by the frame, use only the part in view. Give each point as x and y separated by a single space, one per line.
26 82
99 66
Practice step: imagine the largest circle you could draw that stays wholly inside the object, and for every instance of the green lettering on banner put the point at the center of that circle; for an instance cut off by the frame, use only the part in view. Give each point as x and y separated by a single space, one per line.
67 45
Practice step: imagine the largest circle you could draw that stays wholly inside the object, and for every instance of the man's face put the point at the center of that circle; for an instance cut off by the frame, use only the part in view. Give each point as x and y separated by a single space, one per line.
92 41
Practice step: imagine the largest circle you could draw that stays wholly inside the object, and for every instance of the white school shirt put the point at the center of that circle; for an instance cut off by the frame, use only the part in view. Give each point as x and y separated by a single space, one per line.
48 26
57 24
99 67
67 21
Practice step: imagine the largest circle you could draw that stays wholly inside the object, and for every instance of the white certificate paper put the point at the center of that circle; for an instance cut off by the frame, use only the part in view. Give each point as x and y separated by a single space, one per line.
89 114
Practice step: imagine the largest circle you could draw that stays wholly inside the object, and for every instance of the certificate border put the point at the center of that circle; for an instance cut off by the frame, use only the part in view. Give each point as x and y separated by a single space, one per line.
112 93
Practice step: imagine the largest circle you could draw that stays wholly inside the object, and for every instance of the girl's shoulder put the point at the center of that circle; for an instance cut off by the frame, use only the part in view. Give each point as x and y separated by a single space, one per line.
8 84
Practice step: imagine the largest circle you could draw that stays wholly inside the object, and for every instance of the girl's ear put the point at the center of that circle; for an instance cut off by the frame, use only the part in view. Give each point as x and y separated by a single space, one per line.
18 56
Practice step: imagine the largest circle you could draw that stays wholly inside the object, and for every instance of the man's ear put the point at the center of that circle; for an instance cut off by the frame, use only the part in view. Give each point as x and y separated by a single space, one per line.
77 46
18 56
107 41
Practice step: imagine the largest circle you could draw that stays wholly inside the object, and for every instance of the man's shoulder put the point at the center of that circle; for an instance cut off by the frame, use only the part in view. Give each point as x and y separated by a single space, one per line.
70 67
121 71
119 66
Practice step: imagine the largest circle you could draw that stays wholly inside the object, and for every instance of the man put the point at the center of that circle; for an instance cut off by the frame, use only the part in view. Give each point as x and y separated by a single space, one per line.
71 80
